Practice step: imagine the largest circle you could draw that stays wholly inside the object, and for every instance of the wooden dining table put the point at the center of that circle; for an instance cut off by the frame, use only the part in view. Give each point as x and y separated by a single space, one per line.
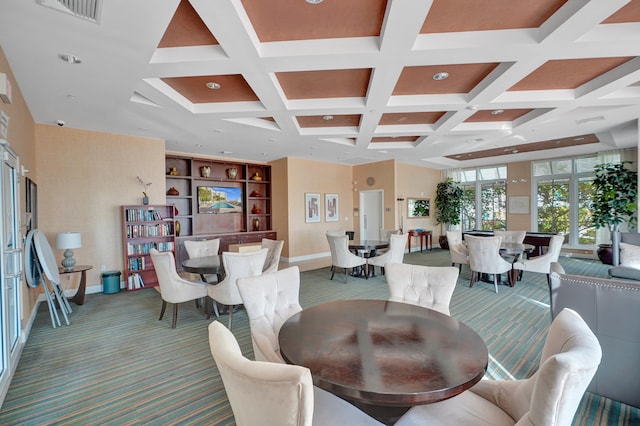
366 248
384 356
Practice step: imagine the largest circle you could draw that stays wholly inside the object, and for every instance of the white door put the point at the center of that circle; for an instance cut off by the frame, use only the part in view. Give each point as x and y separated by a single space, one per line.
11 265
371 214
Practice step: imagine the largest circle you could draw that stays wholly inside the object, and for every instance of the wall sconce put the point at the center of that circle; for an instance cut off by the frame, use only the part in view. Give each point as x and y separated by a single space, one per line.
23 170
67 241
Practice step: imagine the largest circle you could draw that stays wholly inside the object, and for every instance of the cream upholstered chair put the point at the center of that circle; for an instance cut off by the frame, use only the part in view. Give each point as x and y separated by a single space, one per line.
395 253
341 257
542 264
173 288
337 232
458 251
510 236
427 286
273 393
550 397
273 255
236 265
270 299
484 258
203 248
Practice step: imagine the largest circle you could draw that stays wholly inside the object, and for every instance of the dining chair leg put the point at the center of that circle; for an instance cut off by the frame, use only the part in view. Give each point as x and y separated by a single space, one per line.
346 280
230 315
175 315
495 282
164 306
473 279
333 271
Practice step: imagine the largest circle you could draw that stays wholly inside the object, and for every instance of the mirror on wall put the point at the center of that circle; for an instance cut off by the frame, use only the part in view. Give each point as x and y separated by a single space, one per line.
418 207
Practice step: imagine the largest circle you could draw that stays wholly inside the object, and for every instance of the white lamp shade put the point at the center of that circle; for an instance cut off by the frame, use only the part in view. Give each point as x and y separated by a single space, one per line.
68 240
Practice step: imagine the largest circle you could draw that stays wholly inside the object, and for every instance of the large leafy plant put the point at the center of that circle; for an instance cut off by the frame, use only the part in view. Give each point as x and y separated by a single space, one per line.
448 202
615 196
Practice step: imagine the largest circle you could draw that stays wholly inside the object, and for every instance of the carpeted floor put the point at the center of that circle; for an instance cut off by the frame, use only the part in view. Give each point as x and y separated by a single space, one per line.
116 364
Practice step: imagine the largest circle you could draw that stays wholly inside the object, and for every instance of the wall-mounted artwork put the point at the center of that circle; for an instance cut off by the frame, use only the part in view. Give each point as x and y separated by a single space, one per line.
312 207
418 207
332 211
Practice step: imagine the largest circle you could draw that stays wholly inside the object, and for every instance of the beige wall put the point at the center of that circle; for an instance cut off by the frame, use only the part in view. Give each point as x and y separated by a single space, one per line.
418 182
519 184
21 140
307 240
83 179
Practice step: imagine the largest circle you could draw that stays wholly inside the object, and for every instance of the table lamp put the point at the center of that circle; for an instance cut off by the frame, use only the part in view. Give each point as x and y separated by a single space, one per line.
67 241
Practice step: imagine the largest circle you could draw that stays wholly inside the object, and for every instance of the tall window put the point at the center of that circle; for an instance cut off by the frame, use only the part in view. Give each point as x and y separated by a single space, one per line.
484 191
563 197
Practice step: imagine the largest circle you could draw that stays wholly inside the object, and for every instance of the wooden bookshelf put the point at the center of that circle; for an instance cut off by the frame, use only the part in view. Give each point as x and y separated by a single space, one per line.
145 227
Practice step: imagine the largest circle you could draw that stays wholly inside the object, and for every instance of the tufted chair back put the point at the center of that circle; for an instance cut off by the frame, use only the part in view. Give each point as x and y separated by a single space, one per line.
203 248
270 299
273 255
510 236
427 286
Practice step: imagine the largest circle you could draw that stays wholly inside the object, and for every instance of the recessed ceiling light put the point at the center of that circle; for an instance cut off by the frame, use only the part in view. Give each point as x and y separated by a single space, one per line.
440 76
472 107
199 145
70 59
515 151
327 117
213 85
314 1
226 152
71 98
497 111
578 139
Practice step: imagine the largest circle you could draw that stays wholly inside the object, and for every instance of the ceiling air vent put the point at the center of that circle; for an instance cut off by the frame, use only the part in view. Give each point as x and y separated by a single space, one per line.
85 9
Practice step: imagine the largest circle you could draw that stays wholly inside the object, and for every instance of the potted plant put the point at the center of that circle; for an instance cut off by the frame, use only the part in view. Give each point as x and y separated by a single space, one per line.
615 200
448 206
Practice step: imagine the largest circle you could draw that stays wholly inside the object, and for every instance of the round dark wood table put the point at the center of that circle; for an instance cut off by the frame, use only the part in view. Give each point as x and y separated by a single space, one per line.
205 265
383 353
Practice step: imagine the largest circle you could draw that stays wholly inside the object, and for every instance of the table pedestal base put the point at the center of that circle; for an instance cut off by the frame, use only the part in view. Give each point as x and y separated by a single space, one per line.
386 415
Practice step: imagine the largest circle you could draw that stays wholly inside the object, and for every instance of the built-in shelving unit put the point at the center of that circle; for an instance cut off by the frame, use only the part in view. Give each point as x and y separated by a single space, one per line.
216 213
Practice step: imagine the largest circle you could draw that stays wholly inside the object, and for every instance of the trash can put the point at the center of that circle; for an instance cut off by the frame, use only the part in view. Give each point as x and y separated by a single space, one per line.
111 282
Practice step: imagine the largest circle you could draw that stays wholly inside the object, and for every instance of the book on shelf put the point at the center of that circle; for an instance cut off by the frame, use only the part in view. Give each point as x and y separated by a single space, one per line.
135 281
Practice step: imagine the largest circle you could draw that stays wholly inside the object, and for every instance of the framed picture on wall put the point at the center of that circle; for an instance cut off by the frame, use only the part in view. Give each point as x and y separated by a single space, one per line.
312 207
331 208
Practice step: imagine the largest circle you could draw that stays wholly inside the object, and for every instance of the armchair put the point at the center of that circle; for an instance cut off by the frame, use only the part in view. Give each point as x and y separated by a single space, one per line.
270 299
173 288
549 397
236 265
608 307
273 393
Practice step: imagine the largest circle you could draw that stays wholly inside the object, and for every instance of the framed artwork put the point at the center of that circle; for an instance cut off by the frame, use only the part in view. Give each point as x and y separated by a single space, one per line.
331 208
519 204
312 207
418 207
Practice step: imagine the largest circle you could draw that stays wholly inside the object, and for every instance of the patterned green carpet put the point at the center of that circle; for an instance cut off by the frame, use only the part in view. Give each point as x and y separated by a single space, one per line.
116 364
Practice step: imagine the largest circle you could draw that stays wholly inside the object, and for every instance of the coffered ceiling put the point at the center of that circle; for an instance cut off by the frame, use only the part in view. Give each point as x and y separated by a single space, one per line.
441 83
